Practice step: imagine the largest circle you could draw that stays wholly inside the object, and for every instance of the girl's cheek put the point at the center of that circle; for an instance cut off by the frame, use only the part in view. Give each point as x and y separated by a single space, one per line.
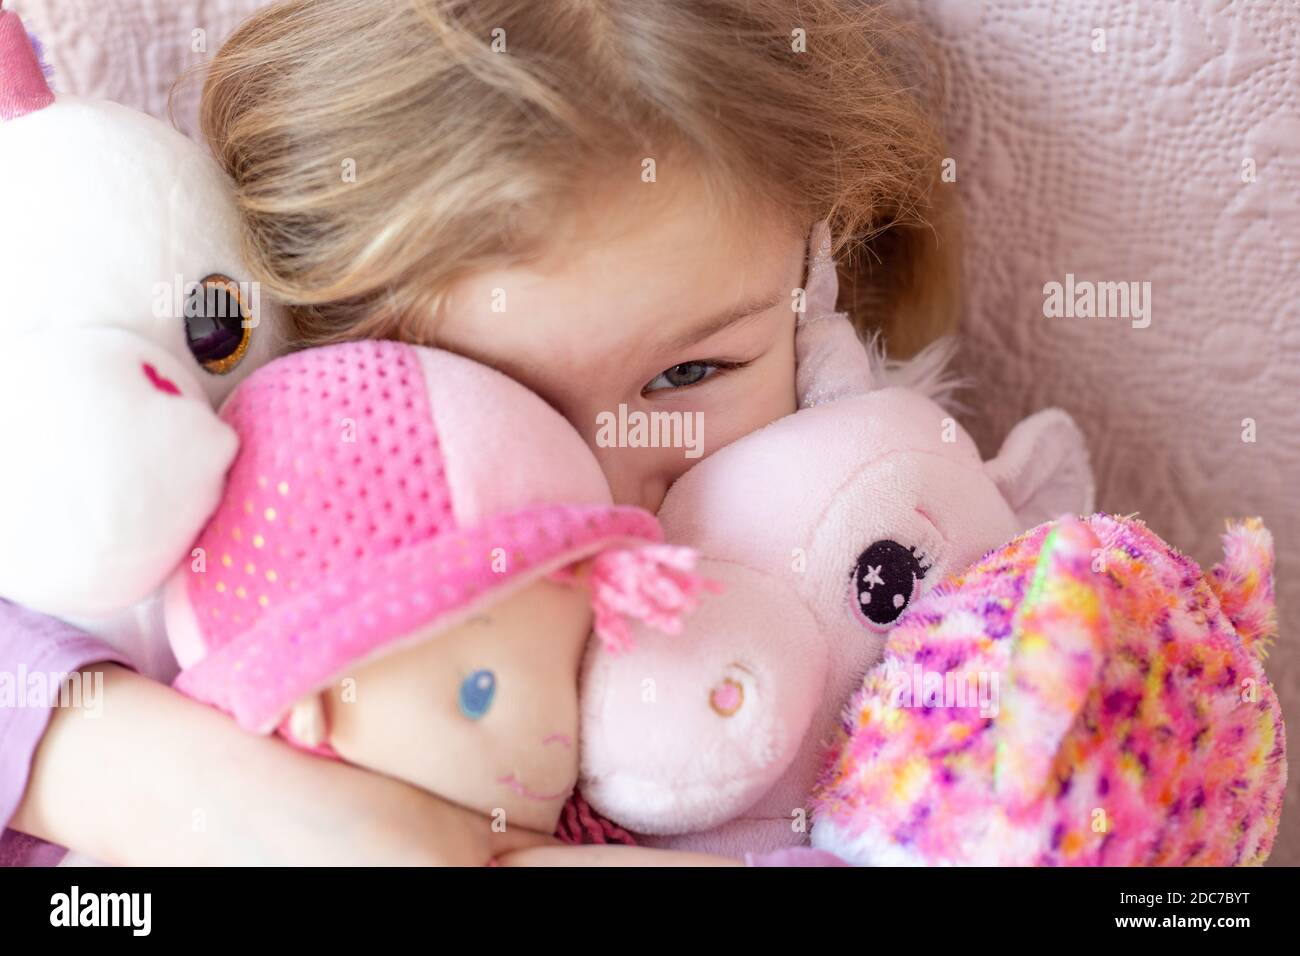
643 448
640 476
755 398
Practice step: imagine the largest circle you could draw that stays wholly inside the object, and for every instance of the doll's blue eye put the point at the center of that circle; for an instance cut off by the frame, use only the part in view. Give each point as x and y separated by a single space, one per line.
476 693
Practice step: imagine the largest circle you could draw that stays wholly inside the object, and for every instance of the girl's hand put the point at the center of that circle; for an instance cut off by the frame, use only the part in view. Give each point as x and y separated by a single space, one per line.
157 779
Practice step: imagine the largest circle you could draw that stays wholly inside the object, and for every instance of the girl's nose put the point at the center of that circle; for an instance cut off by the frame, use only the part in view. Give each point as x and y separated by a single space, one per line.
636 476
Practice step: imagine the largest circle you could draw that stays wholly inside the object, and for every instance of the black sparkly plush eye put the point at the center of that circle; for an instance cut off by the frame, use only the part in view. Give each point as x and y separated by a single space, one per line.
885 578
215 326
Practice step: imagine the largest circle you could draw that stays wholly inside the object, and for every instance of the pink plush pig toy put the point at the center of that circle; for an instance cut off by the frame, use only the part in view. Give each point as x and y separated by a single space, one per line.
821 528
1082 696
128 316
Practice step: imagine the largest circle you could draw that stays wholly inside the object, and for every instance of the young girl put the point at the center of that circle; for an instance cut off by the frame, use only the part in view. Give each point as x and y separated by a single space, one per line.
608 201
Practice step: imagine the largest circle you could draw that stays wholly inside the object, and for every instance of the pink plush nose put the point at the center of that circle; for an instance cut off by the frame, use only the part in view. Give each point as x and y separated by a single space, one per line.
158 381
684 735
727 697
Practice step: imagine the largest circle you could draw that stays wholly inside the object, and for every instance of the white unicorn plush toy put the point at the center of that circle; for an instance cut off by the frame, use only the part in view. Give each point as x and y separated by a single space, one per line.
128 316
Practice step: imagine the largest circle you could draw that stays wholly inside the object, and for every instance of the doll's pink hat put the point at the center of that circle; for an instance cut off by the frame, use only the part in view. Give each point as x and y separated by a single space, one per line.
379 488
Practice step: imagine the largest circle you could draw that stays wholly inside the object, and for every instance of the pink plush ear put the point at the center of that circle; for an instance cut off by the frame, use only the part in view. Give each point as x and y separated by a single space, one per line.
1243 582
1042 469
23 88
832 361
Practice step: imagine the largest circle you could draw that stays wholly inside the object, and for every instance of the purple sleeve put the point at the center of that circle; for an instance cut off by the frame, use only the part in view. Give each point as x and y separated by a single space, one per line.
34 649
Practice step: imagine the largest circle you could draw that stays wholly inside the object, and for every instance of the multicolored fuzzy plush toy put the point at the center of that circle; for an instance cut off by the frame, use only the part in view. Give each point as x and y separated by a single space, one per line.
1082 696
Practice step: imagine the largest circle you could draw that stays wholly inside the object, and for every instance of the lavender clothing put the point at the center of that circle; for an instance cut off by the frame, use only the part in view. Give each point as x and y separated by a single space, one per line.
31 643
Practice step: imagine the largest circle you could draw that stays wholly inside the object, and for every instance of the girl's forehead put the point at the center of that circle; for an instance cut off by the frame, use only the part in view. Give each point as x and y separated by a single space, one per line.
647 275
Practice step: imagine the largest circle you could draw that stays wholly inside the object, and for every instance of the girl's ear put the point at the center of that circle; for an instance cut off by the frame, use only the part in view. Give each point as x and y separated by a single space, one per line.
1042 469
307 723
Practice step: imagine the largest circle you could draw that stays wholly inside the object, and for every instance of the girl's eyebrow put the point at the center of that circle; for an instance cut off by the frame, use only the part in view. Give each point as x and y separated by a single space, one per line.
712 326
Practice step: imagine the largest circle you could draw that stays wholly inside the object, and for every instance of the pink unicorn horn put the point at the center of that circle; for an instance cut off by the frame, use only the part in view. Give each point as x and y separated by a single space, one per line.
831 360
23 88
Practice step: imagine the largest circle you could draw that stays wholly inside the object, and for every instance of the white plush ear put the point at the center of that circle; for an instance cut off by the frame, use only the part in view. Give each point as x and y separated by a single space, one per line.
1042 469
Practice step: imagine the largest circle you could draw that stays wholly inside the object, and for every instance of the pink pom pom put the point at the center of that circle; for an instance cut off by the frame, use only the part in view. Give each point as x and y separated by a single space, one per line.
655 584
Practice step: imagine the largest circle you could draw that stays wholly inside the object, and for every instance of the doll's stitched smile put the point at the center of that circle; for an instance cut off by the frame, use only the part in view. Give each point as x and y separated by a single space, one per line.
516 786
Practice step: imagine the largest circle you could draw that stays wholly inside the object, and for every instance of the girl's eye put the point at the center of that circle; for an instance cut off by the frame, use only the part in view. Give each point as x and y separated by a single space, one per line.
476 693
886 576
679 376
215 326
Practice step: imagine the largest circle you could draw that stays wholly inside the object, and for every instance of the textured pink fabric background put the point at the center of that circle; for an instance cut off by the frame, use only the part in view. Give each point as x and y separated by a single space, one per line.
1127 165
1117 166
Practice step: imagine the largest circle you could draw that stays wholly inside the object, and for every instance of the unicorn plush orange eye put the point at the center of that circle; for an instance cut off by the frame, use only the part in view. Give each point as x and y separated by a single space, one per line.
217 326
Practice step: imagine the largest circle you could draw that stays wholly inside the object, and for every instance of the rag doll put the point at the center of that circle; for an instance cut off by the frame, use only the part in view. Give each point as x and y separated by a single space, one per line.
1129 721
821 528
128 316
404 570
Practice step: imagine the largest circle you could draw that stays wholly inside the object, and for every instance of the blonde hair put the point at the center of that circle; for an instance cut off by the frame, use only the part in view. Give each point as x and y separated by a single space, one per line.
462 154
